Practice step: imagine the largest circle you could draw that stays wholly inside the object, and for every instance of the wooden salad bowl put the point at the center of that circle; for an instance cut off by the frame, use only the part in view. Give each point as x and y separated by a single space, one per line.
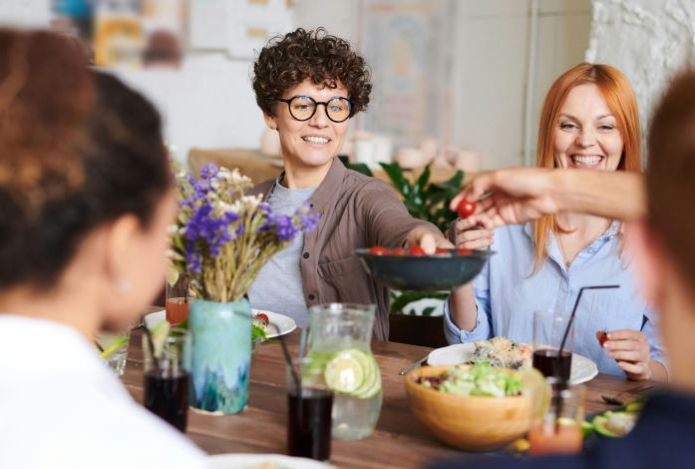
473 423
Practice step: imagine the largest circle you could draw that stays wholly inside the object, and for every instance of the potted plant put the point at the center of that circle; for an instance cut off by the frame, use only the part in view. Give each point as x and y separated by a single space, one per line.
220 241
427 201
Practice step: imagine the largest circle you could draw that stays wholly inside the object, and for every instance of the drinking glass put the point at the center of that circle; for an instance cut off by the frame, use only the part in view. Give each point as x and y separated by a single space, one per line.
340 335
167 378
548 330
558 430
310 404
178 300
113 348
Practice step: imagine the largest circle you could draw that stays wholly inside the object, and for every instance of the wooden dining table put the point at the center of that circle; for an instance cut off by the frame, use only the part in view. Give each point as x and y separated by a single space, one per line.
399 440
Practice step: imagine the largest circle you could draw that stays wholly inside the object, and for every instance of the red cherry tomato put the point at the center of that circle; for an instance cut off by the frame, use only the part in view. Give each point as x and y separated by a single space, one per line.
602 337
416 251
464 252
378 251
466 208
398 252
263 317
442 251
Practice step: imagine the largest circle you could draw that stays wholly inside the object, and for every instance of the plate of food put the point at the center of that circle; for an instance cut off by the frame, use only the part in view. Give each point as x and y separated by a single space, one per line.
263 461
505 353
263 318
412 269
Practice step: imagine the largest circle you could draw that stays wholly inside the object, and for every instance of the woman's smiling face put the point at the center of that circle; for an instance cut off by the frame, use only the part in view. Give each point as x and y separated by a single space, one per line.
587 135
312 143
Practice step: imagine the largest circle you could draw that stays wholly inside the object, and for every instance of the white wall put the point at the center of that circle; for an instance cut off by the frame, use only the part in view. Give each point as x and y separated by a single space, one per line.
209 103
648 40
493 40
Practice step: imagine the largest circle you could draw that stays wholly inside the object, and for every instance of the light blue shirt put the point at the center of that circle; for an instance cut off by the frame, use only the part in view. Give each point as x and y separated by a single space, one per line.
507 294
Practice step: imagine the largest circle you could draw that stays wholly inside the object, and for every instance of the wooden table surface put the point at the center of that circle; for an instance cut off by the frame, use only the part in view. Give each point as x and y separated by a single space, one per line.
398 441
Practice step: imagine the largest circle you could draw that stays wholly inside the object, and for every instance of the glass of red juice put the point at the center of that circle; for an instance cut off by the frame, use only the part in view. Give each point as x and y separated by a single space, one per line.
309 404
558 428
167 378
178 300
549 328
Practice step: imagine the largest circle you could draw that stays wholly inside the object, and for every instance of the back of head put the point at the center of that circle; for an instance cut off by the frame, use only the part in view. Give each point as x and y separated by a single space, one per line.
77 150
671 173
286 61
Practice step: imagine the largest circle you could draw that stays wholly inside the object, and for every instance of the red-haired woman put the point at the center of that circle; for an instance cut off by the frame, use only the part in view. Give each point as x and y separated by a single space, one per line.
589 121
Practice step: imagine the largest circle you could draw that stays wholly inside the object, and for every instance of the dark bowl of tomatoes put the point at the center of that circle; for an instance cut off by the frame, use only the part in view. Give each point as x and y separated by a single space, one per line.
411 269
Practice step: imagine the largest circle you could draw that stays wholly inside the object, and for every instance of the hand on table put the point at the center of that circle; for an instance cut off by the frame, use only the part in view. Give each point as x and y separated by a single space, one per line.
631 350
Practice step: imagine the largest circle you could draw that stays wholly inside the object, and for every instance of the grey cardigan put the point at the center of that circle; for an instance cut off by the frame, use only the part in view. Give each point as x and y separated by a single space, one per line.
356 211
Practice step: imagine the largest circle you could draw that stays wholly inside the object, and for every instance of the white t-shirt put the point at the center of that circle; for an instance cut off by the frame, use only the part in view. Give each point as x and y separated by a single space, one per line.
61 407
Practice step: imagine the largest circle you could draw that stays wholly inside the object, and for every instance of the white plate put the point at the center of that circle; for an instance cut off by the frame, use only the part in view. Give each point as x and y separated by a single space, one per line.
284 323
583 368
254 461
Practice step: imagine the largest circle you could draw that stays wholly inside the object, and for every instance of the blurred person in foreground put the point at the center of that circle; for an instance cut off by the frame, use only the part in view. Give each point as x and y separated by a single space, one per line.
86 197
662 238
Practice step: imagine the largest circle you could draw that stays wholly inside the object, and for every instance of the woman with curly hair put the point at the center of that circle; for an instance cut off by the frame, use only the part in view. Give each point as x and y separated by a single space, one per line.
308 85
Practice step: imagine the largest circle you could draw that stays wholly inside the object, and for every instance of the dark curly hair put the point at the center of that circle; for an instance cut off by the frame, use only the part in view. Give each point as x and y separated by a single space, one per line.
286 61
78 149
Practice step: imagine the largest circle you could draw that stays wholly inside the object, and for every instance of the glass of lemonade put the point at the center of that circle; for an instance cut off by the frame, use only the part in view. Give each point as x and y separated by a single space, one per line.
338 337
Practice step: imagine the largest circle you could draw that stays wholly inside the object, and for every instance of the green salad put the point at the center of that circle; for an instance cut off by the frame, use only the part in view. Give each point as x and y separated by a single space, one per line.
478 380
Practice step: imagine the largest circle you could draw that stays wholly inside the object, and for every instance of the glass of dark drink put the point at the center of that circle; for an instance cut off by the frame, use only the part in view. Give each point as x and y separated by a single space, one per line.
548 331
167 379
309 403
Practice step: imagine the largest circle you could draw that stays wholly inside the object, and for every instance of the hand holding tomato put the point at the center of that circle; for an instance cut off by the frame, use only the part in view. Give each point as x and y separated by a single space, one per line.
631 350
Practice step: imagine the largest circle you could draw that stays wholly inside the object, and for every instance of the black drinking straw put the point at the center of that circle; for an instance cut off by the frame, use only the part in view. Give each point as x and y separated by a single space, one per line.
288 359
561 383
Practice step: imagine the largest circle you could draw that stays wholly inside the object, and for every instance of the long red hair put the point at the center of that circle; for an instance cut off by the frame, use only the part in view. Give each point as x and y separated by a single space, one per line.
621 101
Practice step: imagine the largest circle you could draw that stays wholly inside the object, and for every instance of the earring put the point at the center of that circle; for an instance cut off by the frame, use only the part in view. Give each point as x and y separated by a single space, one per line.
121 285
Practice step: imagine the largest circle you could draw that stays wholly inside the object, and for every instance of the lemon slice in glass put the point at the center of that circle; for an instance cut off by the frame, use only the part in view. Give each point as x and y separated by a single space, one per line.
345 372
117 344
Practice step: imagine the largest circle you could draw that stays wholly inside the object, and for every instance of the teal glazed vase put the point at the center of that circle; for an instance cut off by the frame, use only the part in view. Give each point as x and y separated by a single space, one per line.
221 356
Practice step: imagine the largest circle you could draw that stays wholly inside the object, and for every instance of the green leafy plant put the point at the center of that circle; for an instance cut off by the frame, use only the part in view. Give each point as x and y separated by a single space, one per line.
424 199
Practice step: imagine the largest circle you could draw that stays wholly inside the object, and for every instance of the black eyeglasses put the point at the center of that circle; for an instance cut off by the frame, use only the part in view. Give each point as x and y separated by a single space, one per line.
303 108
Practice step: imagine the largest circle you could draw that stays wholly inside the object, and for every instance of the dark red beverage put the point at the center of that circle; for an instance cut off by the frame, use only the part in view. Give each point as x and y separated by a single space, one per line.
166 395
545 360
309 425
